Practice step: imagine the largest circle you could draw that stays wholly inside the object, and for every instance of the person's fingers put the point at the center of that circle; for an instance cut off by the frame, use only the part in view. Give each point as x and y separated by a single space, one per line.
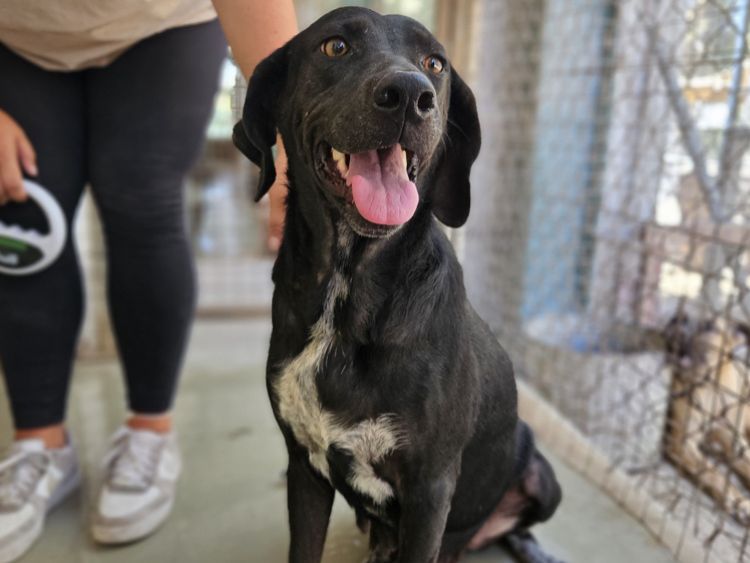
274 238
15 151
276 216
11 179
3 195
27 155
275 234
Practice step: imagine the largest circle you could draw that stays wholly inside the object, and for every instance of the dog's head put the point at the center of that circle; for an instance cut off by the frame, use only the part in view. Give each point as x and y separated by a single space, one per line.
370 107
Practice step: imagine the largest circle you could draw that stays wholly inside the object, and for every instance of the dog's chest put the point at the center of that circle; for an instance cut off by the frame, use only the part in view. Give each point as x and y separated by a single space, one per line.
367 442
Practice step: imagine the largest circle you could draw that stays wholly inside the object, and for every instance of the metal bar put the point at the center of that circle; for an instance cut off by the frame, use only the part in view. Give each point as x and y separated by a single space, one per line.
688 131
728 155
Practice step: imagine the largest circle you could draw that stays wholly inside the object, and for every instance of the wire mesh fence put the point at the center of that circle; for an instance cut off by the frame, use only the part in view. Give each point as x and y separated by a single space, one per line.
610 249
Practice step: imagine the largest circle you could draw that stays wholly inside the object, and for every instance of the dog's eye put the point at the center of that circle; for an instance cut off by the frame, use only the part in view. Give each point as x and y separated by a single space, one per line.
433 64
335 47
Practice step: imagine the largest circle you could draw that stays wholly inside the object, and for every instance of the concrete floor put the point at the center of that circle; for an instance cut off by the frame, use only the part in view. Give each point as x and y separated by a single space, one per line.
231 502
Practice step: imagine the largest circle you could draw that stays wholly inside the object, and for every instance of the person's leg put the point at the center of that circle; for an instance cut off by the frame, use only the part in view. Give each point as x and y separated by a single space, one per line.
40 314
148 113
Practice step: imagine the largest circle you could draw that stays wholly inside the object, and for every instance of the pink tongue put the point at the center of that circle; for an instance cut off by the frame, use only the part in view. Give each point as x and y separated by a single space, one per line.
382 191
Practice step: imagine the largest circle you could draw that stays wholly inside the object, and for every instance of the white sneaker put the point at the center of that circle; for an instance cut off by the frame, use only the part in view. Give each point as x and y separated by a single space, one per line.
33 480
138 492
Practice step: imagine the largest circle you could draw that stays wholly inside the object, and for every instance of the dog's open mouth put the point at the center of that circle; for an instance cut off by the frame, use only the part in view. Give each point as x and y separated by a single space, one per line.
379 182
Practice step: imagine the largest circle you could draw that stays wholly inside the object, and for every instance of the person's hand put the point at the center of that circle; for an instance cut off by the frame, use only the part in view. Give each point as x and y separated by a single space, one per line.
15 152
277 201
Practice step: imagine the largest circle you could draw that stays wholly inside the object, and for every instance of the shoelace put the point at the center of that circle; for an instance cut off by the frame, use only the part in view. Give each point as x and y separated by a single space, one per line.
132 461
19 475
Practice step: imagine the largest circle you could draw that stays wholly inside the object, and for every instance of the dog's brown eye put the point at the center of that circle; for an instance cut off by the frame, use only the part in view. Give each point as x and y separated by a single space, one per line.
433 64
335 47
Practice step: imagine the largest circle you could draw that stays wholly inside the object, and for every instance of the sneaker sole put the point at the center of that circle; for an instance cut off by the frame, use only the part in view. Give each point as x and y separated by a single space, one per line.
18 547
144 527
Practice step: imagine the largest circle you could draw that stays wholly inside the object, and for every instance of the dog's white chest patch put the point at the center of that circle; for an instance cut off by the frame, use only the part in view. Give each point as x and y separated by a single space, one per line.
368 441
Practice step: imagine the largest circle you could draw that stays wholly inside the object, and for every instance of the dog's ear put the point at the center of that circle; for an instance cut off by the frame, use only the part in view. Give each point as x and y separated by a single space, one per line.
451 197
255 135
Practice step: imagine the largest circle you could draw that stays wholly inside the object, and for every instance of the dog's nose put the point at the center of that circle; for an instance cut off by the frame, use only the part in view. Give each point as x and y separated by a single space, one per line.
409 91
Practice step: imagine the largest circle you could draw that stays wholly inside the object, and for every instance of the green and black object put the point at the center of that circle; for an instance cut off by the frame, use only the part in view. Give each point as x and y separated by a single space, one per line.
25 251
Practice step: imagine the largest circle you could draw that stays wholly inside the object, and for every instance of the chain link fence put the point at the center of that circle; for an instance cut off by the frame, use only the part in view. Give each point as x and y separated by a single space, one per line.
609 247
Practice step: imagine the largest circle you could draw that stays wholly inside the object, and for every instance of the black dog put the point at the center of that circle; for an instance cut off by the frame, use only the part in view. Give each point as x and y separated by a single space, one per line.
386 384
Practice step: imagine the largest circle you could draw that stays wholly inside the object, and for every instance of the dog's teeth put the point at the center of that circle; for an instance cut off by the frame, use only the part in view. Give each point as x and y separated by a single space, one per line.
403 157
340 159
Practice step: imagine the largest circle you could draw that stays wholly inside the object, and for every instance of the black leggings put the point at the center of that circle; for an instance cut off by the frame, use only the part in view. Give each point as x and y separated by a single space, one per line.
131 130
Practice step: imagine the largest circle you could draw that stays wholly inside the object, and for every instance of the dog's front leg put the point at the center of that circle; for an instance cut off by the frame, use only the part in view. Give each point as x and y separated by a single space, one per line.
309 499
424 510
